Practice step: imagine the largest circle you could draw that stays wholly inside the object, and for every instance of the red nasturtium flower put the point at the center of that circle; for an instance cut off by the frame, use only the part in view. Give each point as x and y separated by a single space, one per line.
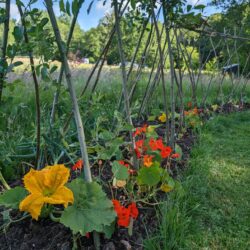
131 171
124 163
156 144
140 130
176 155
137 132
166 151
139 147
133 210
138 153
139 144
124 214
147 160
152 144
78 165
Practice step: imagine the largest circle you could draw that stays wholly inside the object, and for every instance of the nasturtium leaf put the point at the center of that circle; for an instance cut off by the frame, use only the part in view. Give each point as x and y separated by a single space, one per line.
106 135
91 210
119 171
112 148
11 198
149 176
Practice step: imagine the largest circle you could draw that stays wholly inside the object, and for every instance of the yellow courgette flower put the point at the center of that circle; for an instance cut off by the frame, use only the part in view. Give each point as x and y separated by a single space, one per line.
46 186
163 117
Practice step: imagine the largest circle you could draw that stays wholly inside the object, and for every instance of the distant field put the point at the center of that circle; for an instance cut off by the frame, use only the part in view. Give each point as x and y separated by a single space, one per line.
110 82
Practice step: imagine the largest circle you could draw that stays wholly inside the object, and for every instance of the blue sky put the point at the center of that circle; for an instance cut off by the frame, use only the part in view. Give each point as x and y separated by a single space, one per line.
90 20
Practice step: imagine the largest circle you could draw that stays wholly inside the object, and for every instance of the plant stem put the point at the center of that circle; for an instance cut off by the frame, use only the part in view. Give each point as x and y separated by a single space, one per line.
130 227
32 65
124 79
162 71
5 184
53 218
96 240
171 61
59 80
78 120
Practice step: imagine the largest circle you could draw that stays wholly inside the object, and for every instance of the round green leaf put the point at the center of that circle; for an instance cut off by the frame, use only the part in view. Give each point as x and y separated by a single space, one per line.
149 176
120 172
91 209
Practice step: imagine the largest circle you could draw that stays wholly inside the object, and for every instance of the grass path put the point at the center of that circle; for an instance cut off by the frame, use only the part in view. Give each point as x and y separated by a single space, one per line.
212 210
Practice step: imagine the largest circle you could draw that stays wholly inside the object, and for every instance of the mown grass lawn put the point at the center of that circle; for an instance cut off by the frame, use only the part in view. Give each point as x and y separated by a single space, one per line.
212 209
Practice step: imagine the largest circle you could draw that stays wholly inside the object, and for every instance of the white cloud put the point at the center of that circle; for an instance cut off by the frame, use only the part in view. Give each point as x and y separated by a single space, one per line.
105 8
14 13
57 10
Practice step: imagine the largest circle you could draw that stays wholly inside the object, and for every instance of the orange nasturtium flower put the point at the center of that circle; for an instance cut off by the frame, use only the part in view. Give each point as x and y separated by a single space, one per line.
46 186
147 160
